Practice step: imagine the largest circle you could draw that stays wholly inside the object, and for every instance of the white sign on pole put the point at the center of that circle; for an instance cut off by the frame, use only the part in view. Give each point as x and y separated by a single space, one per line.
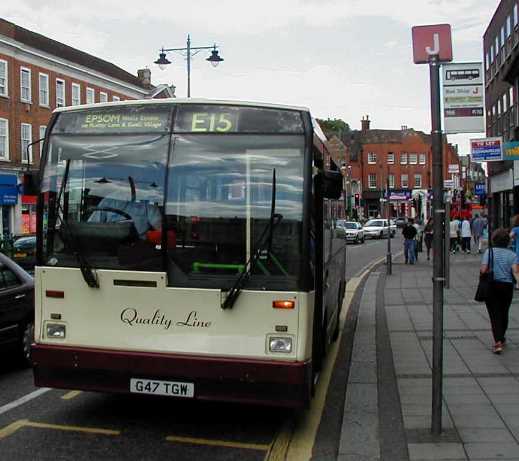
463 98
454 168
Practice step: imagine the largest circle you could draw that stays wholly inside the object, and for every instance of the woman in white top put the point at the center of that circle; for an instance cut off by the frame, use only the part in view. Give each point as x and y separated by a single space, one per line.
466 235
454 228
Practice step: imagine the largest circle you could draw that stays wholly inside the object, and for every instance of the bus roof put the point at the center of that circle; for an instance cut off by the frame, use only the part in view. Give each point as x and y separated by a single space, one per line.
135 102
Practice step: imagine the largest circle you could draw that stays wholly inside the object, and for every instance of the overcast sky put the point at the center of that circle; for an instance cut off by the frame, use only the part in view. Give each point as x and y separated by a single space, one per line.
341 58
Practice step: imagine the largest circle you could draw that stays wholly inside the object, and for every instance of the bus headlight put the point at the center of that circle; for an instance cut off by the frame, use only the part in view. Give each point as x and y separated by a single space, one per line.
281 344
55 330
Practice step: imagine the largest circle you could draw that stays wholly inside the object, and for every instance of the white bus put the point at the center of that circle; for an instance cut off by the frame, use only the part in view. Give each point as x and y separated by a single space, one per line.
187 248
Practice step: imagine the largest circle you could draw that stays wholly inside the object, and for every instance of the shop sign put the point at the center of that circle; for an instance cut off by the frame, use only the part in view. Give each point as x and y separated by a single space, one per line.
486 149
8 189
454 168
511 150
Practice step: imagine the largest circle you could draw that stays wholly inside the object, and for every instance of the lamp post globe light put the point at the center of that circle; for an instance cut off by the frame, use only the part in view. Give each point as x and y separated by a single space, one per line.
189 51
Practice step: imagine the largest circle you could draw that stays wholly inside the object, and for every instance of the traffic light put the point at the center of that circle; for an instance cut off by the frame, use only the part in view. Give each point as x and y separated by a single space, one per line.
357 199
30 183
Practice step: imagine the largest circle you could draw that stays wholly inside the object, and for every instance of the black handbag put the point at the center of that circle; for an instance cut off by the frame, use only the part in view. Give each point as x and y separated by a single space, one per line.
486 279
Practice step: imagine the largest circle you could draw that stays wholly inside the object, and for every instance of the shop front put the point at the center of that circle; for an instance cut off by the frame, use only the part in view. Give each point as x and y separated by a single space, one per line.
8 201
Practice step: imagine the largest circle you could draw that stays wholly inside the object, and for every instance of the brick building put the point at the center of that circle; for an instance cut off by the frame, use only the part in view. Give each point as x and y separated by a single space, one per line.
37 75
402 158
501 51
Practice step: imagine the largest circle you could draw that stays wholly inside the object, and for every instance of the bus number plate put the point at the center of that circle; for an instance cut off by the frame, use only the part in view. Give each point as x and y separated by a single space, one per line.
169 388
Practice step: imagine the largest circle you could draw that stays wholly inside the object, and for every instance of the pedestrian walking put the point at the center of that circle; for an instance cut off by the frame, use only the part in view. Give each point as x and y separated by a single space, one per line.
428 237
478 225
466 235
409 232
505 269
514 234
454 234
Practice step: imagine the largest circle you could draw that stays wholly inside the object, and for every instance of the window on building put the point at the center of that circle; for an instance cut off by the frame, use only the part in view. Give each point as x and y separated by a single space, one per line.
418 181
3 78
494 110
491 53
515 15
44 89
404 181
413 159
390 158
508 26
103 97
511 96
372 157
372 181
403 159
499 106
497 45
26 140
502 35
60 93
90 96
423 159
76 94
391 178
116 98
487 60
43 128
25 84
505 107
4 139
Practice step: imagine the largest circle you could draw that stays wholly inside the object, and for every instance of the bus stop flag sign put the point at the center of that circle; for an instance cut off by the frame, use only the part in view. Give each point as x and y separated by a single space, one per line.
433 40
486 149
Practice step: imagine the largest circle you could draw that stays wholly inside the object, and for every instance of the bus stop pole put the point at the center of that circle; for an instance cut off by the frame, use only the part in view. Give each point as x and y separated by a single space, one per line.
438 242
447 242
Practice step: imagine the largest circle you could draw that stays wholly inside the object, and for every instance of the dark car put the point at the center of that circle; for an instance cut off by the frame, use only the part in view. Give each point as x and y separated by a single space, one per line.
400 221
16 308
24 252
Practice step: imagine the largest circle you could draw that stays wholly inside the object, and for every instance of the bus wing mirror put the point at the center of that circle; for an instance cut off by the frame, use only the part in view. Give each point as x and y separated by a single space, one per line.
31 183
332 184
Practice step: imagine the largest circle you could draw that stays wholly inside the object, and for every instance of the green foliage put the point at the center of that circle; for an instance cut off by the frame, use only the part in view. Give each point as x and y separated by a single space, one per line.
335 127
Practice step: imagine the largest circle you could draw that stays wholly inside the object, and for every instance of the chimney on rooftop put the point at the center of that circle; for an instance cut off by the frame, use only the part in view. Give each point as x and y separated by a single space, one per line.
144 75
364 123
403 127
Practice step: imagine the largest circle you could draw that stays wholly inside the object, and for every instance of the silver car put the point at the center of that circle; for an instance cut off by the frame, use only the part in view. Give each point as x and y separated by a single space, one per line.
376 228
354 231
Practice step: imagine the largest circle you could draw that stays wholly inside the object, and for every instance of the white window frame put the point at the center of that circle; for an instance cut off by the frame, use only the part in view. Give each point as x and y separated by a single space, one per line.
24 141
5 78
372 176
43 128
404 181
43 101
418 184
76 102
413 159
390 158
6 151
103 97
372 158
25 70
403 158
60 80
116 98
90 92
422 157
391 180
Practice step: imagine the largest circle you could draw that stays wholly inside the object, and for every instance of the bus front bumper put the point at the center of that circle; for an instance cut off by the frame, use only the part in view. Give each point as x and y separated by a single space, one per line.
269 382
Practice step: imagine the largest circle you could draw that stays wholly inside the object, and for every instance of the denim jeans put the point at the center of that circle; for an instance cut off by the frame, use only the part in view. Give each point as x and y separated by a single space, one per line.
409 250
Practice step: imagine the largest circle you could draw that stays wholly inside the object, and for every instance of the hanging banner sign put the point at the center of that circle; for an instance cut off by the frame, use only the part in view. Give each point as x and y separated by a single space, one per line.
486 149
480 189
454 168
511 150
463 98
448 183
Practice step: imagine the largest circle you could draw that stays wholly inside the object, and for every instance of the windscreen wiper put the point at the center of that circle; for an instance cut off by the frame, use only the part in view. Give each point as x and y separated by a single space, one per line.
86 269
244 277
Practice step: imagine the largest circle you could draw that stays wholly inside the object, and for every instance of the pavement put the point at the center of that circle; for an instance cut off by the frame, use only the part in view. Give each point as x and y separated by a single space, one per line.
387 409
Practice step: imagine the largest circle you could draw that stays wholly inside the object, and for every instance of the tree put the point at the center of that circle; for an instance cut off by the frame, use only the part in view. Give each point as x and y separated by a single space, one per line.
335 127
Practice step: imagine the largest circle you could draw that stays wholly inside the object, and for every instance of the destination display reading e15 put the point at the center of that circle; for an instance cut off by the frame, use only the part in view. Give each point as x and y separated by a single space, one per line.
195 118
127 119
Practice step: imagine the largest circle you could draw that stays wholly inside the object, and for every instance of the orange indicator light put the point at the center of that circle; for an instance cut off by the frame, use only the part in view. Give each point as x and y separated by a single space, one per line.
283 304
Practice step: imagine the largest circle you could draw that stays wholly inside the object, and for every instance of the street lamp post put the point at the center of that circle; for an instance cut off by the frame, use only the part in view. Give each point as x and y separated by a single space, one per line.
189 51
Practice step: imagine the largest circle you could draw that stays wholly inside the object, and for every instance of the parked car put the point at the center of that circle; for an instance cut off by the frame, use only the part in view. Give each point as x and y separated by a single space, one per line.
16 308
400 221
24 252
376 228
354 231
